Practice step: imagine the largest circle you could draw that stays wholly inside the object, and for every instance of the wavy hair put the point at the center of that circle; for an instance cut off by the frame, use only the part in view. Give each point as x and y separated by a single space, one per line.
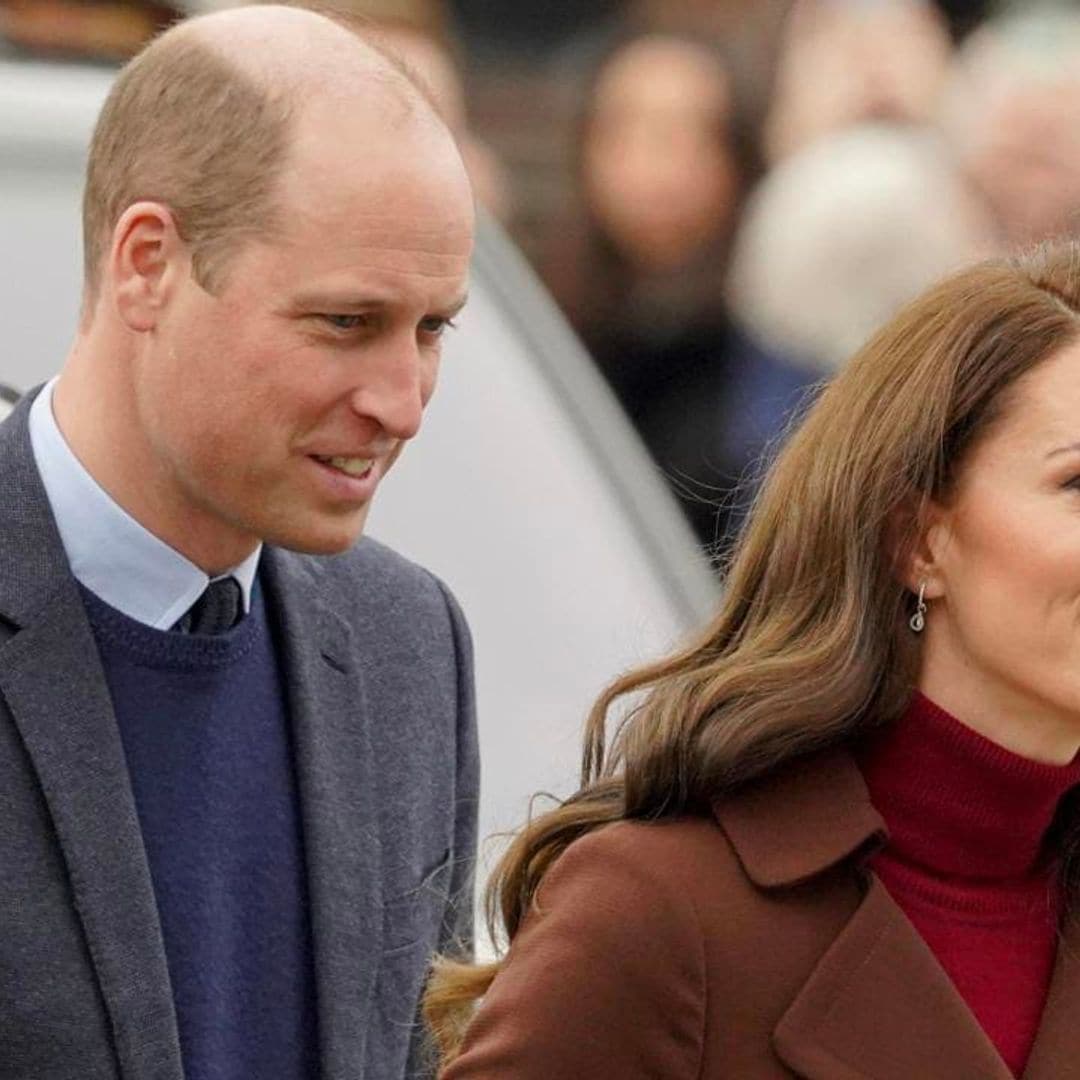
810 645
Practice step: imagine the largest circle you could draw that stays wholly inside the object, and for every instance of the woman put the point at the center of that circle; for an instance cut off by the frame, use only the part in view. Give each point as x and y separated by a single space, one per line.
834 837
665 155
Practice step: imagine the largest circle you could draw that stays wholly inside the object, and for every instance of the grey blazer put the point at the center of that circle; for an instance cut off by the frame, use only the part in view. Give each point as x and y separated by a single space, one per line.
379 669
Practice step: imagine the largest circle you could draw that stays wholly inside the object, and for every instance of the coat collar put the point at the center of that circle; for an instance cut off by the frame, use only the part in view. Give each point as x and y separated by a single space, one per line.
877 1005
800 821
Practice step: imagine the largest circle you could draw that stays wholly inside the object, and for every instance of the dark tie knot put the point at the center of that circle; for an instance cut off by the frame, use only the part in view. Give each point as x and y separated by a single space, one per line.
217 610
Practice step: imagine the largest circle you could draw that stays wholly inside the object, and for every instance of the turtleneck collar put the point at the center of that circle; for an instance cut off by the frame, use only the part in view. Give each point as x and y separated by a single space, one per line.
957 803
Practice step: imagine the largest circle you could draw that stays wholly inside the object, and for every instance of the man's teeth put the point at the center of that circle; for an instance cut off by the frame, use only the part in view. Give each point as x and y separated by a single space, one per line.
354 466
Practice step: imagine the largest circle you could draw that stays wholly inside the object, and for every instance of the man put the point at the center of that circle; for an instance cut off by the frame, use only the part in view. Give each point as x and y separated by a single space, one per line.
237 754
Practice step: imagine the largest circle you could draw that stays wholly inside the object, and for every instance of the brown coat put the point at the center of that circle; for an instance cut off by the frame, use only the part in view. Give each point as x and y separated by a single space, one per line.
752 946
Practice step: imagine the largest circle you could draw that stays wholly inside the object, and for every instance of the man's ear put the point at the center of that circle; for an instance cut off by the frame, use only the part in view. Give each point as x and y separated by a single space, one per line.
918 534
146 259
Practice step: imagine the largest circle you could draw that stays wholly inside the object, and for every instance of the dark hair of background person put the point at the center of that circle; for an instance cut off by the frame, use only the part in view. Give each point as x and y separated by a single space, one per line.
964 15
810 646
494 26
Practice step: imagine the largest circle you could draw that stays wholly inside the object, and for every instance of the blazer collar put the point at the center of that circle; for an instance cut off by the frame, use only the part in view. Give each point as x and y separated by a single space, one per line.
33 566
332 727
52 682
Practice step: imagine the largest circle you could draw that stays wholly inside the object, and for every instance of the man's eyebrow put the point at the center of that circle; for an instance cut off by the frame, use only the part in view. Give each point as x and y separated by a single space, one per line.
344 303
1064 449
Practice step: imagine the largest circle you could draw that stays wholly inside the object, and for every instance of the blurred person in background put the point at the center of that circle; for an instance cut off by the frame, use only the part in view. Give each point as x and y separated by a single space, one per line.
1013 116
663 162
106 30
421 33
750 30
846 62
739 23
841 234
838 835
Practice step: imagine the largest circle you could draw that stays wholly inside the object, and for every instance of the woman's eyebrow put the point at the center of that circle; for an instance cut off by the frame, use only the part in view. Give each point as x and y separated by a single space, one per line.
1064 449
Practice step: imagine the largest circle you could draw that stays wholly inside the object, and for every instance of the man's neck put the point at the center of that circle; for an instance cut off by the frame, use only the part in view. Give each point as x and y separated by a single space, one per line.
96 412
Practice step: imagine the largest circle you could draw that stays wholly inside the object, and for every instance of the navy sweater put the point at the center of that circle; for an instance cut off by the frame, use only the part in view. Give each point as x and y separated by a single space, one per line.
206 734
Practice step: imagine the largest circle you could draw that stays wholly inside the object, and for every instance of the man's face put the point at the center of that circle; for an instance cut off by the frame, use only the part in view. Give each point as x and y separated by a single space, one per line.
274 408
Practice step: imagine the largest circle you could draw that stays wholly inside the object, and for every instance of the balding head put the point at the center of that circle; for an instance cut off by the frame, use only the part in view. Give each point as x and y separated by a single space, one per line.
204 120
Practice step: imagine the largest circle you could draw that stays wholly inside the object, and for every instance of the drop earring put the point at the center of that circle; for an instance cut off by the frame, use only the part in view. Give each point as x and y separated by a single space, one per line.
918 621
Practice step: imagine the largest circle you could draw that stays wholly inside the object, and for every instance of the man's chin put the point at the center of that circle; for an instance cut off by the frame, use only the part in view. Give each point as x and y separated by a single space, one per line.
334 538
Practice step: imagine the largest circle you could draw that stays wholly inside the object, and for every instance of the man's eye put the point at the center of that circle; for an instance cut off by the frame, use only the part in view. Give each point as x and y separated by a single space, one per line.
345 322
436 324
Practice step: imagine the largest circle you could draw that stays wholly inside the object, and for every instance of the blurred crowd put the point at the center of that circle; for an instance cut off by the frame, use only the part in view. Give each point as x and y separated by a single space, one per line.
724 196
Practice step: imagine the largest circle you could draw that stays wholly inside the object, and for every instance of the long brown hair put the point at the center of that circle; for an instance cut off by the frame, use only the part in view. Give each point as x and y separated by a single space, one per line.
810 643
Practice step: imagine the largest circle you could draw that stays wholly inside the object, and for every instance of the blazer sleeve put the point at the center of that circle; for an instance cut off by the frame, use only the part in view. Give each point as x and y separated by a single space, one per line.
605 978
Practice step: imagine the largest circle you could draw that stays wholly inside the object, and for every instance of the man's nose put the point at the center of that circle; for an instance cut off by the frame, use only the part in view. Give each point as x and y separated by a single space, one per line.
393 387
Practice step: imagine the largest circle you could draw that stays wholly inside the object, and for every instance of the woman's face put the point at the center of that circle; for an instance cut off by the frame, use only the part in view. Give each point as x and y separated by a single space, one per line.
658 174
1002 639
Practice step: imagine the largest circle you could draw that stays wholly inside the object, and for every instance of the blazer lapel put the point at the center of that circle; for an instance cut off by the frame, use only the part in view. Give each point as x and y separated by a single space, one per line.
340 813
53 684
1056 1052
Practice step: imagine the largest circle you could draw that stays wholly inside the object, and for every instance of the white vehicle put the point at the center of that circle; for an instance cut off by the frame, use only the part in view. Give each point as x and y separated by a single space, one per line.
527 491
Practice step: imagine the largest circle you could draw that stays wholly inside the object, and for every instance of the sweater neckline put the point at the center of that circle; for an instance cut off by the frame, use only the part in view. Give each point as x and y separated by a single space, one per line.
957 803
169 650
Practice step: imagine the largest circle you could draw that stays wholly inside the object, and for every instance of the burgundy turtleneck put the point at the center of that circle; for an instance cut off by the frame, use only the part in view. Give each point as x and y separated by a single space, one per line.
966 862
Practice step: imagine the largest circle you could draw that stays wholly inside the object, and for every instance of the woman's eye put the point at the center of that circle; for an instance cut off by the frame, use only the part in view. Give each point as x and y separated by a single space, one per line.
345 322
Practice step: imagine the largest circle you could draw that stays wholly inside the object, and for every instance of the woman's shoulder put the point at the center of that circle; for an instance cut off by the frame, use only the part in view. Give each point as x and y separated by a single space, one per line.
807 826
607 974
673 868
662 844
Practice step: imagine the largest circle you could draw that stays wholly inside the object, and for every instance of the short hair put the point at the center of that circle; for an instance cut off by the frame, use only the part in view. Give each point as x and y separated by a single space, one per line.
185 127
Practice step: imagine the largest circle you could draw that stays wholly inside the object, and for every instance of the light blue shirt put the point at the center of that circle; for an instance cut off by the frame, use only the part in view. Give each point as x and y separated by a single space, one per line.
110 553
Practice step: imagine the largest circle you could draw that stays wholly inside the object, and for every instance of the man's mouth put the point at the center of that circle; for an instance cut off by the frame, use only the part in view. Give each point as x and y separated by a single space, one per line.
351 466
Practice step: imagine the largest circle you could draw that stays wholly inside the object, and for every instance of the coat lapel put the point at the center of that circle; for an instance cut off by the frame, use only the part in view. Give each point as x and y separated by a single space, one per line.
878 1005
53 683
1056 1052
340 812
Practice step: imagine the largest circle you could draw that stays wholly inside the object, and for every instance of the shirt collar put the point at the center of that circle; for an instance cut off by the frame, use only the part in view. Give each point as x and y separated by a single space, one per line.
109 552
